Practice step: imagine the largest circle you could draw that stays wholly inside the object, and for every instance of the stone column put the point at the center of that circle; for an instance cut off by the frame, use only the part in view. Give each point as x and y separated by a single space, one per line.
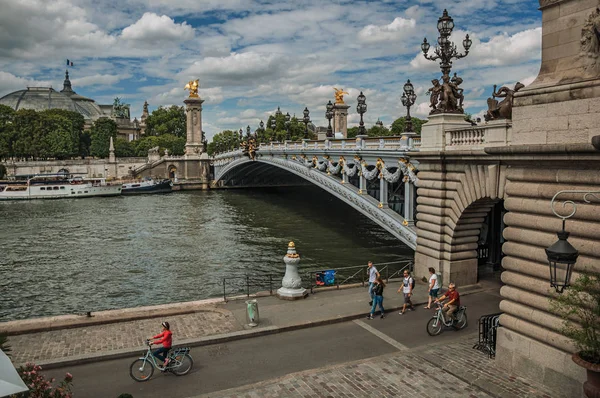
344 177
193 145
291 285
433 133
409 190
383 192
111 152
340 119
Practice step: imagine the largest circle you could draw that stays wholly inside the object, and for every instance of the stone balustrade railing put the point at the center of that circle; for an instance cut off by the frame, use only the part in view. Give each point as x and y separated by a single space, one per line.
494 133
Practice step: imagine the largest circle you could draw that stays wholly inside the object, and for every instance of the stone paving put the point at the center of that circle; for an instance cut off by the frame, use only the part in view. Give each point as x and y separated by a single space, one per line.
448 370
63 343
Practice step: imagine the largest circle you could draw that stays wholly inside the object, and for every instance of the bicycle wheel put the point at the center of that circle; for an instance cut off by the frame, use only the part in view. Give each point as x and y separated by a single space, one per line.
141 370
461 321
182 365
434 326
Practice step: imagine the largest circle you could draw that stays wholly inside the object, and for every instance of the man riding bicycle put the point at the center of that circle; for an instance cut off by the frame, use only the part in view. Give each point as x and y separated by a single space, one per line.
453 302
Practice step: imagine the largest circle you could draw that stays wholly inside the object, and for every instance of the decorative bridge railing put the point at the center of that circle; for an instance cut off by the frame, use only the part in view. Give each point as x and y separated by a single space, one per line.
247 285
394 143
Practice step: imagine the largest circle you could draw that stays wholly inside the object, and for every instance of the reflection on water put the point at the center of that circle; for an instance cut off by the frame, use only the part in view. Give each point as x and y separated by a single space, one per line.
77 255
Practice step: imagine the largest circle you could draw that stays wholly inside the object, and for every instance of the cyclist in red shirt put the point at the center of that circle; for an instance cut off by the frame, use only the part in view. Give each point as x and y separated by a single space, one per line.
166 339
453 301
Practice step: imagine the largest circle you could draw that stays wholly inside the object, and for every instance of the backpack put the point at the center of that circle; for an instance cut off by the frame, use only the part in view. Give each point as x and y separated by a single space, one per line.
411 280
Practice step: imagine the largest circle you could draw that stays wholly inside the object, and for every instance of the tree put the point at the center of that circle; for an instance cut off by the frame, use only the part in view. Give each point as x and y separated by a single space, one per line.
124 148
377 131
175 145
76 131
59 140
171 120
28 135
352 132
100 134
7 132
2 174
226 140
398 125
143 145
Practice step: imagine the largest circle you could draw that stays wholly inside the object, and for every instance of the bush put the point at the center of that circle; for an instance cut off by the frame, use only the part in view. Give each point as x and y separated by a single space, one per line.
39 387
582 304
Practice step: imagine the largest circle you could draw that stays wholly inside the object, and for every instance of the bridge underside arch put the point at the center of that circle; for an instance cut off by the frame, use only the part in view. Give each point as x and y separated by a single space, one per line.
290 172
452 206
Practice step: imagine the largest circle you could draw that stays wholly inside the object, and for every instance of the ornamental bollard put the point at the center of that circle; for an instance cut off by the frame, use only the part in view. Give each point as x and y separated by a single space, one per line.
291 288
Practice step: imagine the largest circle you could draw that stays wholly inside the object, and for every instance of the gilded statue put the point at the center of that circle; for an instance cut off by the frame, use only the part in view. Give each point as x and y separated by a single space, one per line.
192 86
339 95
502 109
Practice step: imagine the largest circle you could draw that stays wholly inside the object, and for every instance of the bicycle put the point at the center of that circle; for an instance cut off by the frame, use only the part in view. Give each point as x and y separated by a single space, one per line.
436 324
180 363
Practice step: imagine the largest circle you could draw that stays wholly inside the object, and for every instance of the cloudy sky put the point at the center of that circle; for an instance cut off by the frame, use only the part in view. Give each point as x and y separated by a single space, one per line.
254 55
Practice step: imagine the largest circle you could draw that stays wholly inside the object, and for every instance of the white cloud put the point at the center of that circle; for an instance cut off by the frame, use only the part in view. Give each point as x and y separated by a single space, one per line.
98 79
10 83
393 31
151 28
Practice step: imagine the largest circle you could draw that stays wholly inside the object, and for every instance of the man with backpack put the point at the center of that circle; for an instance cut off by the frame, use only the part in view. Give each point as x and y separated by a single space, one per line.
408 284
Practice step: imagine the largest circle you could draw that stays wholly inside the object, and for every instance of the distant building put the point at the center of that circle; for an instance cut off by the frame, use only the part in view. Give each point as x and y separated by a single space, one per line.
42 98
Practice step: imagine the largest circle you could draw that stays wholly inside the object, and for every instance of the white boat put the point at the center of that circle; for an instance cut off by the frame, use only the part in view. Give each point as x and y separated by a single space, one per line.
57 186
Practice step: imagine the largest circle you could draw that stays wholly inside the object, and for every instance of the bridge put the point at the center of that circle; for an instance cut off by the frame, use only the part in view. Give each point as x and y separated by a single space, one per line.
376 176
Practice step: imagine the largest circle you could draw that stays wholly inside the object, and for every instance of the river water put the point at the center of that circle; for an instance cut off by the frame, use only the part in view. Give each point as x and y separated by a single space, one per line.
75 255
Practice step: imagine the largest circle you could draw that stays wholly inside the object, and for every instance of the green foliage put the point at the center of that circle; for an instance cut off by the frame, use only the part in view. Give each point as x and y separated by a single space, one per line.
171 120
100 134
226 140
77 126
2 171
398 125
39 387
376 131
124 148
352 132
143 145
4 347
581 304
7 132
175 145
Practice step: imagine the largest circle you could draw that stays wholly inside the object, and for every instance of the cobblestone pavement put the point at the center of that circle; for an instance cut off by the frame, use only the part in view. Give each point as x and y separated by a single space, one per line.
57 344
428 372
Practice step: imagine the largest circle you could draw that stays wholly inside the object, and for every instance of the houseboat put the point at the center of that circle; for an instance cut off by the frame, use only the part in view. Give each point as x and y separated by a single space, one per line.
147 185
57 186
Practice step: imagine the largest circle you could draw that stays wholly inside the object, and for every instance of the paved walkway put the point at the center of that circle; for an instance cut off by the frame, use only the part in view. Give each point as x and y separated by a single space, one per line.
449 370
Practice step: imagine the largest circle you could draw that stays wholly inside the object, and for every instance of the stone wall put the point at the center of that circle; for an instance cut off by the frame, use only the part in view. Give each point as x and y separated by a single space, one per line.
90 167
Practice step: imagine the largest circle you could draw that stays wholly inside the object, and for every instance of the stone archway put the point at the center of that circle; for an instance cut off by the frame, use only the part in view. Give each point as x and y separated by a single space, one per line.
172 172
452 204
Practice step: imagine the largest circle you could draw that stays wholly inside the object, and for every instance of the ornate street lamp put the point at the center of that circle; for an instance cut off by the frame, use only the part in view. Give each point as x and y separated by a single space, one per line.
287 126
278 112
306 120
361 108
261 125
379 123
241 134
248 131
445 51
408 99
329 115
562 255
273 127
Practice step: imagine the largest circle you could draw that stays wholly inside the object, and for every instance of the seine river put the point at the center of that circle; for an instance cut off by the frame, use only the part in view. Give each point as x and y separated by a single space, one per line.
71 256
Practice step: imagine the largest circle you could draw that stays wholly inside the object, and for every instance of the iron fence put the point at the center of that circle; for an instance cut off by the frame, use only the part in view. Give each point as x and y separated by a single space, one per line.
249 284
488 327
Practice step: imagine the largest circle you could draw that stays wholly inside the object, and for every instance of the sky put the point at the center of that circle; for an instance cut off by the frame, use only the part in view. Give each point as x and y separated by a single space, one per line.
252 56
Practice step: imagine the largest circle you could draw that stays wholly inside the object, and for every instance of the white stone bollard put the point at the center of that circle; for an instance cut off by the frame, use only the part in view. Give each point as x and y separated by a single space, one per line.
291 288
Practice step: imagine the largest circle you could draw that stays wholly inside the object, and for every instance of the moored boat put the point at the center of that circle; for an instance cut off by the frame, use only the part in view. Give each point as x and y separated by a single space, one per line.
147 185
57 186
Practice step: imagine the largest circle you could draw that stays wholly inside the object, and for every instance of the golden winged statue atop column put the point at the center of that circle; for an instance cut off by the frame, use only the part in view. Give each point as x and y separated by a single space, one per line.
339 95
192 85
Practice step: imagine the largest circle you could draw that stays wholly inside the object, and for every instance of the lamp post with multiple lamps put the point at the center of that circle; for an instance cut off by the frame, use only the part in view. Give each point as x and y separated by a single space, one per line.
287 126
274 127
561 254
361 108
329 115
445 51
408 99
306 120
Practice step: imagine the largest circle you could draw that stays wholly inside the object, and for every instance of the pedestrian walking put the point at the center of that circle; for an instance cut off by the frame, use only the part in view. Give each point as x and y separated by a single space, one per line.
434 287
378 286
407 287
373 275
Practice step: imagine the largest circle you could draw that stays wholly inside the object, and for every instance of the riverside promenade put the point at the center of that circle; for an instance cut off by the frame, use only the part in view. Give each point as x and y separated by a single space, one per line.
451 369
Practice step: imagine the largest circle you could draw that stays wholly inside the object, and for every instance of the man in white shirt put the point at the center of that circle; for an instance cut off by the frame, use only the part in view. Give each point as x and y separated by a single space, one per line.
407 287
373 274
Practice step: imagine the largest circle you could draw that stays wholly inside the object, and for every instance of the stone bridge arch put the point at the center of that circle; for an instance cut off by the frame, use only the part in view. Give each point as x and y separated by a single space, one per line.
348 193
452 204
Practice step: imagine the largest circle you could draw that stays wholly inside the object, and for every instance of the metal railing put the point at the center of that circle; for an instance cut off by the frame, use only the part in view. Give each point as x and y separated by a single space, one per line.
488 327
357 273
249 284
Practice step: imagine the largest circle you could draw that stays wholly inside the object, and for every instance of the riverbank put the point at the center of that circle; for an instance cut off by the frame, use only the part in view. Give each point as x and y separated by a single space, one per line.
118 334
